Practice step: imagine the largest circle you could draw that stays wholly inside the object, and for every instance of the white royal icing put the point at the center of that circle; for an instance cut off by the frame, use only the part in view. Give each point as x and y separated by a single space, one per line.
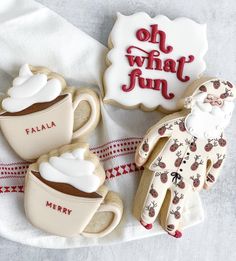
187 38
73 169
206 121
29 88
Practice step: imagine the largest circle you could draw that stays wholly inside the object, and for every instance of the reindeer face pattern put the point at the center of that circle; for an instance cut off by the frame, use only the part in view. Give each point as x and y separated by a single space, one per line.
181 125
210 178
153 192
229 84
176 213
211 143
188 157
170 227
181 184
163 176
196 181
177 198
181 164
203 88
216 84
145 146
222 141
196 163
151 209
159 163
185 155
220 159
226 94
178 161
192 144
163 129
175 145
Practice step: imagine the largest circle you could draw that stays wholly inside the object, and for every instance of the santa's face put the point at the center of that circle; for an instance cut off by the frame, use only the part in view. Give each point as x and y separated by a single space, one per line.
213 100
209 116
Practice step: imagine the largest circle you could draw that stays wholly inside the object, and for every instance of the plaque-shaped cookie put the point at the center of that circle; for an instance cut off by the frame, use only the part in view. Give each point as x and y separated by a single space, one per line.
152 60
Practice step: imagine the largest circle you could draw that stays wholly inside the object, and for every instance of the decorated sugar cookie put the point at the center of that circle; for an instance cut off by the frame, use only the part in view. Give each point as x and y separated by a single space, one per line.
41 113
152 60
183 153
65 195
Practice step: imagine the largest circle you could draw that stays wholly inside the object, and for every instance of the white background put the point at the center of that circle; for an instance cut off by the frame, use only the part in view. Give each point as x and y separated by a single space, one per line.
215 239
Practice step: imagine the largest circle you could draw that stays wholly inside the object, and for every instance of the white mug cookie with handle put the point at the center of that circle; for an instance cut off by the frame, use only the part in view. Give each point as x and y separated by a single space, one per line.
38 114
65 196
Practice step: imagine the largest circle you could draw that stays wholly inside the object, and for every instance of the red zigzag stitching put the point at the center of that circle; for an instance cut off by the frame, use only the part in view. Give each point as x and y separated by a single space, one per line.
105 152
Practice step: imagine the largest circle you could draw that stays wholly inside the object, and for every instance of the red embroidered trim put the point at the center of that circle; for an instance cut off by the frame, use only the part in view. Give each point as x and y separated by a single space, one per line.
121 170
116 148
110 173
9 189
11 171
13 177
110 150
115 141
14 163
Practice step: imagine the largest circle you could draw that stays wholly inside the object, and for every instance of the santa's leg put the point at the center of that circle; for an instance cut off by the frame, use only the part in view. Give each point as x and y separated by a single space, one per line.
154 199
172 209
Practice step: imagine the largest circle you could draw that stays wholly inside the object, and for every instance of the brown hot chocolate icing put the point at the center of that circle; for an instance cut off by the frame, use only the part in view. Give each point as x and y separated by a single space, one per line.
66 188
35 107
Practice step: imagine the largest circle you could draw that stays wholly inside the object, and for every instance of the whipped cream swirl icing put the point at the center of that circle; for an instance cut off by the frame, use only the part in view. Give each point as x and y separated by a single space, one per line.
28 89
71 168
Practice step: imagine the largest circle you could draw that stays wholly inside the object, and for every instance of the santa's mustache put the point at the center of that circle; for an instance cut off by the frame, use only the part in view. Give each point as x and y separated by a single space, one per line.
224 111
207 120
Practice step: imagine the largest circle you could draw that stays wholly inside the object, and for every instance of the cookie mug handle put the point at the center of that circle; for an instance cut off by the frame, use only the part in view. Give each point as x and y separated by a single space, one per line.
93 101
117 214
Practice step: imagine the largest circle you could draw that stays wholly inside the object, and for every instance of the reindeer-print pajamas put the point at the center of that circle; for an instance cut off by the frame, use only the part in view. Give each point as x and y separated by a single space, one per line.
182 166
162 182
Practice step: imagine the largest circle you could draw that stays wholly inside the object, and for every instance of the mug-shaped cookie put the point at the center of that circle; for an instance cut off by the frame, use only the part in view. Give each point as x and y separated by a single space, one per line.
38 114
64 194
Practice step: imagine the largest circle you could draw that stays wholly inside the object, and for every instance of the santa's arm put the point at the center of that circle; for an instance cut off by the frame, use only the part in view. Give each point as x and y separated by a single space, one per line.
159 130
217 161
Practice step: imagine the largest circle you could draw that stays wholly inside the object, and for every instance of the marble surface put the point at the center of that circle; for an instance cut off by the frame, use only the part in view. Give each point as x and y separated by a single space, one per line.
215 239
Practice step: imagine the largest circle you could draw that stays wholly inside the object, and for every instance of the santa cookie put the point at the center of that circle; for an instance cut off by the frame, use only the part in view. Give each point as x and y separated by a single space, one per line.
183 153
41 113
152 60
65 196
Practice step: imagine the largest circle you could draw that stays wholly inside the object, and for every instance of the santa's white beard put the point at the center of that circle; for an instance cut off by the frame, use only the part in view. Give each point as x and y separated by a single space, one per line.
206 121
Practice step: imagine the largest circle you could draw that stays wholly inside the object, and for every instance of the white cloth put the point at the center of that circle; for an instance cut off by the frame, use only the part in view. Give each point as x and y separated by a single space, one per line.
31 33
